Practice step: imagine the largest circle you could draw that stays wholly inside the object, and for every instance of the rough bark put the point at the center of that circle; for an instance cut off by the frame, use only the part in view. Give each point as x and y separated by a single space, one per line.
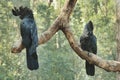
118 33
62 23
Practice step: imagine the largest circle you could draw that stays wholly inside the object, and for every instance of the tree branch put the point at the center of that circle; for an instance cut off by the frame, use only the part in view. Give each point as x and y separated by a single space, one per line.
62 23
44 37
108 65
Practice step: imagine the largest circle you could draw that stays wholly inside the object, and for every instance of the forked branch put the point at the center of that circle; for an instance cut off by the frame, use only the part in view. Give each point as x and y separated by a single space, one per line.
62 23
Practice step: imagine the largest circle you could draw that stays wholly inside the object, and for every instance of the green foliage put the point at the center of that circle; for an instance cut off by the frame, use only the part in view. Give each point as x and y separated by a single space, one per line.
57 60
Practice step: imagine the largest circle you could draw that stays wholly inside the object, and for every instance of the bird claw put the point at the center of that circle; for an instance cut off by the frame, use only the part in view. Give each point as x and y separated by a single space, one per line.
88 54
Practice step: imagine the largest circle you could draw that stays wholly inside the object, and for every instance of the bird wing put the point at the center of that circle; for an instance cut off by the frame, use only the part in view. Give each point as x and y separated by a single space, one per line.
94 47
34 37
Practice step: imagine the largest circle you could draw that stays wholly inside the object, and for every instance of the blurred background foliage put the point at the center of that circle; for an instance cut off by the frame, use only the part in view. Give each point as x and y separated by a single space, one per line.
57 60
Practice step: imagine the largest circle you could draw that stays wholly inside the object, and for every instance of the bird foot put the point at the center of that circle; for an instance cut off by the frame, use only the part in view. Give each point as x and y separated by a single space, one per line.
88 54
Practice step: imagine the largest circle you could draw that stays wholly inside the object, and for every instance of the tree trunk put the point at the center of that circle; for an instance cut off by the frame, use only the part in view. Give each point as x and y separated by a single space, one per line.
118 32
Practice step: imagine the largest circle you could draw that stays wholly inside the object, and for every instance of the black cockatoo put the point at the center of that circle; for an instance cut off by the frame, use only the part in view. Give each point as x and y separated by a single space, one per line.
29 35
89 43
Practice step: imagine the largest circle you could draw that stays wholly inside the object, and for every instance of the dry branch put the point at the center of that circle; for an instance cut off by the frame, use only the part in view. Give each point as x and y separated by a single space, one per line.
108 65
44 37
62 23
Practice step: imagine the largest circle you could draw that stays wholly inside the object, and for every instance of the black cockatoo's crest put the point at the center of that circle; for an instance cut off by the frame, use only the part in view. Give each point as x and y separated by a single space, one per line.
88 29
22 12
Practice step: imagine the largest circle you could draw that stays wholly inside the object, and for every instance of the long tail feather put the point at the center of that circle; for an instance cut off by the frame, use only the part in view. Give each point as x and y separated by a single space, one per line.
32 61
90 69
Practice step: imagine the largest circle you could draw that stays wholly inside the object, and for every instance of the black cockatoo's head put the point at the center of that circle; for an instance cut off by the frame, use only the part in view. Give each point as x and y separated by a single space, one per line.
88 29
22 12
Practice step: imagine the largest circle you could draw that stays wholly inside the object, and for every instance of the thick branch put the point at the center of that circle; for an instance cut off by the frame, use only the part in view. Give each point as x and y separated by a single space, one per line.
44 37
108 65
